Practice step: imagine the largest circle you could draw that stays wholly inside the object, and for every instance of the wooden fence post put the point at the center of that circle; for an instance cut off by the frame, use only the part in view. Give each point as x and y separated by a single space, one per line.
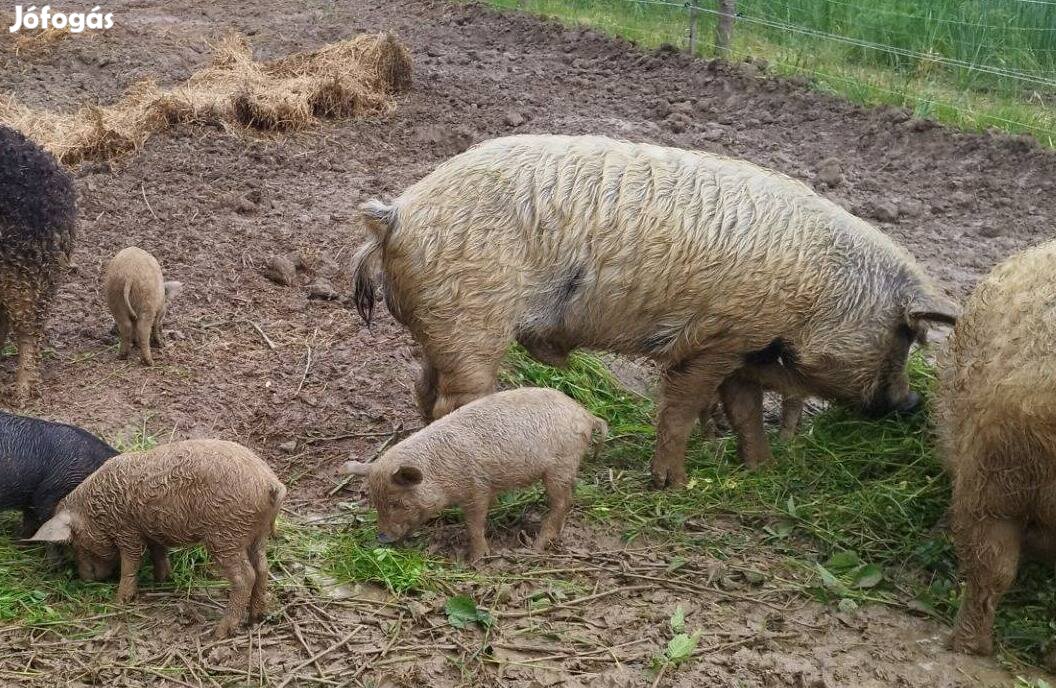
724 26
693 27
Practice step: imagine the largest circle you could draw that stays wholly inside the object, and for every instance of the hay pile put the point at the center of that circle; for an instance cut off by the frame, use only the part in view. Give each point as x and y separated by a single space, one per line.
353 78
32 42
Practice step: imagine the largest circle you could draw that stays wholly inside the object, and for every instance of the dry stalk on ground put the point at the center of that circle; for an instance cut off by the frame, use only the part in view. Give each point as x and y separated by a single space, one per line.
353 78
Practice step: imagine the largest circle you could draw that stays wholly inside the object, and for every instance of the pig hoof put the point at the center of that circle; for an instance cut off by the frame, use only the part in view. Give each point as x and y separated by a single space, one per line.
223 630
125 597
971 644
666 477
755 463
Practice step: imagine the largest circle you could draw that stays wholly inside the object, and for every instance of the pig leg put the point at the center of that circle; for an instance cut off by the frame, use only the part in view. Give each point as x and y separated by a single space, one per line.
686 389
743 400
243 577
131 557
27 323
425 389
989 552
159 556
559 492
460 381
30 523
144 325
258 599
125 334
791 413
5 325
155 335
708 429
476 512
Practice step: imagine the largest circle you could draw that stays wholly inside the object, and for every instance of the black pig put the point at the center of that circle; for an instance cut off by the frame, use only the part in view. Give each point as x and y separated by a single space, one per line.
38 215
41 462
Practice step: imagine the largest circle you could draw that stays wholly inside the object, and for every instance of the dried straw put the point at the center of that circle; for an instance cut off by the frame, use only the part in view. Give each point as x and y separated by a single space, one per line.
354 78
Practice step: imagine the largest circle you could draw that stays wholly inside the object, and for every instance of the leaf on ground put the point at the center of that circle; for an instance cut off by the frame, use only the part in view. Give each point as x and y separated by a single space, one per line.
462 611
678 620
868 576
843 561
681 647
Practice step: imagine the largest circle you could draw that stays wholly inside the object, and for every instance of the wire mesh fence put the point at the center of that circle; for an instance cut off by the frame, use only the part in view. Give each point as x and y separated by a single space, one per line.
974 63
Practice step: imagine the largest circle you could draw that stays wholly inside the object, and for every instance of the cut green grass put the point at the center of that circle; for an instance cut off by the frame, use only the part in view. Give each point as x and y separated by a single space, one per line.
969 65
849 508
871 491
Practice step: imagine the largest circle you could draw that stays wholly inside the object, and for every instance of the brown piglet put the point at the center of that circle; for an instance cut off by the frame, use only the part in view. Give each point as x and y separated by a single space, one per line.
139 298
496 443
197 491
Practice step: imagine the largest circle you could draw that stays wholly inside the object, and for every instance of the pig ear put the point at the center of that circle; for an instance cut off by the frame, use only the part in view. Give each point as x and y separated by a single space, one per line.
931 308
355 468
58 529
407 476
172 290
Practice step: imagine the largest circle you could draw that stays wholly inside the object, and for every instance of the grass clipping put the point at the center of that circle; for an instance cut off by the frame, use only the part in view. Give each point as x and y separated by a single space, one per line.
353 78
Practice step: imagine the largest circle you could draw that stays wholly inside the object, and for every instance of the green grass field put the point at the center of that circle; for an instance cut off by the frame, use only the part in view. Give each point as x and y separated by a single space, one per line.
973 65
849 507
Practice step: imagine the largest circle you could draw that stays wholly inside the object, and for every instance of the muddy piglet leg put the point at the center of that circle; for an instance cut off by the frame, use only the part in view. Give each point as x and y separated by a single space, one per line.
258 600
159 556
143 329
126 333
242 576
559 497
476 512
131 556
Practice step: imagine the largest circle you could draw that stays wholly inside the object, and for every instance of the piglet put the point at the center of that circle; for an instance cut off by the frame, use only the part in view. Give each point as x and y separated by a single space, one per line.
493 444
197 491
40 462
139 298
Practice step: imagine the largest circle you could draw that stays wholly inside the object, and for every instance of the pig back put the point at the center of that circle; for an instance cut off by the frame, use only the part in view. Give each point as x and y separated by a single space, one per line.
628 247
182 492
506 437
37 203
999 369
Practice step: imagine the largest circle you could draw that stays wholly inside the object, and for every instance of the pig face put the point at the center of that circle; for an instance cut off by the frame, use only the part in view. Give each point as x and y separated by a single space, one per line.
94 563
870 371
401 502
96 559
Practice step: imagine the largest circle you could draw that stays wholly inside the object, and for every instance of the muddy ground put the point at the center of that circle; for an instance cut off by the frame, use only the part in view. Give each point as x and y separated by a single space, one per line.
214 207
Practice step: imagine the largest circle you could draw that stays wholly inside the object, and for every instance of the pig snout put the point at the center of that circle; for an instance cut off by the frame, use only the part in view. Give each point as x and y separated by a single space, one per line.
91 569
905 404
909 404
385 538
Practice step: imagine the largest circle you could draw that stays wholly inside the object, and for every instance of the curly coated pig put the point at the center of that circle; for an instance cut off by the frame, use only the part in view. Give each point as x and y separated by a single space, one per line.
40 462
732 277
38 217
996 414
139 298
197 491
499 442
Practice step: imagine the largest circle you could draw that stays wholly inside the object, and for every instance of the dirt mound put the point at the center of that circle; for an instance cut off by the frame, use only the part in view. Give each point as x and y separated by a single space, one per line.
353 78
